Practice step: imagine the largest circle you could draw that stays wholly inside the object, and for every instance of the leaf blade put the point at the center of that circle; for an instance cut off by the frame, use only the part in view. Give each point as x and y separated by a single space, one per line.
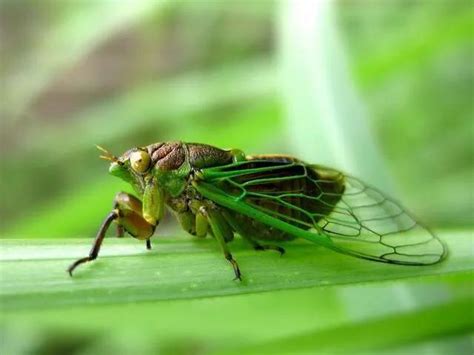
33 273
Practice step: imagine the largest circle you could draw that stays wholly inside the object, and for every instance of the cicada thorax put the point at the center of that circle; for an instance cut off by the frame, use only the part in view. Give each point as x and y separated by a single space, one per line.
173 155
172 163
204 156
301 195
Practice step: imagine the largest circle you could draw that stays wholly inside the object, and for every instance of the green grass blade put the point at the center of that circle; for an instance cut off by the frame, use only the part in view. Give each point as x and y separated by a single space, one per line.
33 272
384 333
167 326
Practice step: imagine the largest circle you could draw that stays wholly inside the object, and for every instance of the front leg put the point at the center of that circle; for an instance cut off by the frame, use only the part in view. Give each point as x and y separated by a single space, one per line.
128 214
97 242
153 202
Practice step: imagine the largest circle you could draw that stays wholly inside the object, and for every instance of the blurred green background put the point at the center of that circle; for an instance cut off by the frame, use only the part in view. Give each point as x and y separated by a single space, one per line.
380 89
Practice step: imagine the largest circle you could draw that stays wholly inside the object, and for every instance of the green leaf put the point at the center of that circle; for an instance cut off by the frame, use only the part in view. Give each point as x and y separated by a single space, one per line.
33 272
253 321
378 333
351 304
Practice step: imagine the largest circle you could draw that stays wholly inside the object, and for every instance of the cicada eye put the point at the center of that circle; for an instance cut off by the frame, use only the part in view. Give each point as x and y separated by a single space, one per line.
140 161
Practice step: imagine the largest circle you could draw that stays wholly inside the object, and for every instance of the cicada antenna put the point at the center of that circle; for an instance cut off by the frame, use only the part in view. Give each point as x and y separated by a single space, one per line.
107 155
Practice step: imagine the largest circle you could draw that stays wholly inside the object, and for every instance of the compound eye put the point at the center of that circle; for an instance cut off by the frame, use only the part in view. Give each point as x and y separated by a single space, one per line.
140 161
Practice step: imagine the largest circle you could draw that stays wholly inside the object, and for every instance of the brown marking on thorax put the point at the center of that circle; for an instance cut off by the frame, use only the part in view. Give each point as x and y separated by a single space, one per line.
205 156
171 155
167 156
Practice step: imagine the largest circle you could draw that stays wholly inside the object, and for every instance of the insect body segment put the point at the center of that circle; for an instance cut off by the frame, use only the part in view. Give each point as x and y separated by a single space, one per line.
266 199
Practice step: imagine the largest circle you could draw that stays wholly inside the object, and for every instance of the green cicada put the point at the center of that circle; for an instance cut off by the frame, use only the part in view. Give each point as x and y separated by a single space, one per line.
266 199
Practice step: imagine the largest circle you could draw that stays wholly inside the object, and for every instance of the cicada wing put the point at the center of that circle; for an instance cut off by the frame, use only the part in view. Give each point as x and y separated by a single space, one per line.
322 205
367 223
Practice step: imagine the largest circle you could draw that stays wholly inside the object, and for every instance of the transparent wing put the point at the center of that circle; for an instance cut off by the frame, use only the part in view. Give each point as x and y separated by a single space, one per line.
367 223
357 219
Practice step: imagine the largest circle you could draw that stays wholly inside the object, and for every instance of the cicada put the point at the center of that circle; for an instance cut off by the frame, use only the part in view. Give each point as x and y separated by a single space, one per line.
266 199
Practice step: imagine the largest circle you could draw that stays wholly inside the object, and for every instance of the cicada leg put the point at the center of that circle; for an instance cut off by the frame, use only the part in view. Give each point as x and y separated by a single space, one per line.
120 231
195 224
201 223
127 213
263 247
222 231
246 233
97 242
131 217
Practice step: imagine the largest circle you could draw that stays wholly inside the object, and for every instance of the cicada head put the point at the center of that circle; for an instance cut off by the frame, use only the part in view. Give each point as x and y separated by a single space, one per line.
132 166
